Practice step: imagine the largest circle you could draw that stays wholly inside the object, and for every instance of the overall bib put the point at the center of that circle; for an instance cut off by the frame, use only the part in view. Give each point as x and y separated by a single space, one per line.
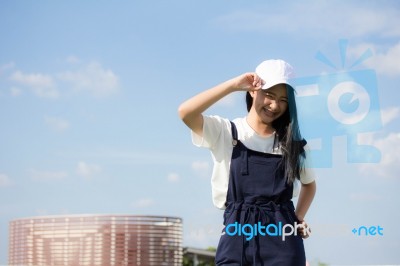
258 194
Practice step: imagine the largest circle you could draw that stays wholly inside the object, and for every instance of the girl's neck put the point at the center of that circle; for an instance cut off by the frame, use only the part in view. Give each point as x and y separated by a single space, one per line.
259 126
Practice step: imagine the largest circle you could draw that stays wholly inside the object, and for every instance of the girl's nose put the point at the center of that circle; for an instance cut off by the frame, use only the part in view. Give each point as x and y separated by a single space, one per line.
273 105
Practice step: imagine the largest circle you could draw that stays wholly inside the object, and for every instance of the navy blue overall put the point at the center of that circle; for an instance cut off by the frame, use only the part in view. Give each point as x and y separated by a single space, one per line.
258 192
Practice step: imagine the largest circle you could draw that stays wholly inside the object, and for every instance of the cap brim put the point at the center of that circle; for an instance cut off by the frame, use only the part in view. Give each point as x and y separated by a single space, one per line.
270 85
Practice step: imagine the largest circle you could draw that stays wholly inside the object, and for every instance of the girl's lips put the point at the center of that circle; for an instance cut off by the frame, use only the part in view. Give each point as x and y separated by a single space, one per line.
269 113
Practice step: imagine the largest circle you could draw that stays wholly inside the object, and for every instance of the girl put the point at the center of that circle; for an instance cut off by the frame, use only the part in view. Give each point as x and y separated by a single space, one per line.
258 161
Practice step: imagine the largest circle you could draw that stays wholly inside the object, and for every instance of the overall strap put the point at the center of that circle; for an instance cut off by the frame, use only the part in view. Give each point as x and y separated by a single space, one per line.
234 134
244 163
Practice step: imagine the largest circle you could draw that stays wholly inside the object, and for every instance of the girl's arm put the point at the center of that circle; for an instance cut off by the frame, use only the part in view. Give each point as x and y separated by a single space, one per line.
191 110
306 196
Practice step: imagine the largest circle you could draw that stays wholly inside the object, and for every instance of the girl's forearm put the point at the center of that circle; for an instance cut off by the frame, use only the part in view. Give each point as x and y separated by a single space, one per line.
306 197
191 110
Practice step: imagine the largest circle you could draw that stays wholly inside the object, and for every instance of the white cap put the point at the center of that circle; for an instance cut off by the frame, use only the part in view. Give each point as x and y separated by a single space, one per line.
275 71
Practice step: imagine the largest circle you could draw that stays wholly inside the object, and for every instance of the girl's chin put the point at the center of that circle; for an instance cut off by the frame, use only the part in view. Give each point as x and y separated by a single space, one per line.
269 116
267 120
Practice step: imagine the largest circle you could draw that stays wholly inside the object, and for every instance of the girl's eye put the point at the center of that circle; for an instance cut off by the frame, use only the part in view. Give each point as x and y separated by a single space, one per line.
269 96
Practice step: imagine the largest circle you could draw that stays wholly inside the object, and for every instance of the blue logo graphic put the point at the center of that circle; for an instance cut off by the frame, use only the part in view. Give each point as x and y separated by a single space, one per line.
368 231
344 103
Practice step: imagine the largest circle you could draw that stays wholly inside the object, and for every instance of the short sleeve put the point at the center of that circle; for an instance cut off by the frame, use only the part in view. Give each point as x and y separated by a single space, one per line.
307 175
212 132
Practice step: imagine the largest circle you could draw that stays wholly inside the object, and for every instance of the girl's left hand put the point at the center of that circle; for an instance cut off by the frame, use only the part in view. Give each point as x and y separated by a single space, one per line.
303 229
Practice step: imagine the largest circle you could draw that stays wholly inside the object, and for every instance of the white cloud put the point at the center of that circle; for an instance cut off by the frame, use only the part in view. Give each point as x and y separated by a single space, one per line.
57 124
385 60
201 168
173 177
386 63
229 100
143 203
129 157
36 80
72 59
14 91
203 232
87 170
92 78
7 66
203 235
317 18
5 181
47 175
389 166
41 84
389 114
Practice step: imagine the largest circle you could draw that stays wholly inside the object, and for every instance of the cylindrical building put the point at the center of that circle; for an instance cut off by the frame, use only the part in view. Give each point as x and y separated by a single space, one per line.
96 240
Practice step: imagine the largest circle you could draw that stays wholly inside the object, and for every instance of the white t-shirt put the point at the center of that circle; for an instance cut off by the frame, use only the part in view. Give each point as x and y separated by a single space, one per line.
217 137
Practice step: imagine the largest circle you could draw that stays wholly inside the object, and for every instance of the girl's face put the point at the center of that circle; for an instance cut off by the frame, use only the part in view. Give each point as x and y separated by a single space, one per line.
271 103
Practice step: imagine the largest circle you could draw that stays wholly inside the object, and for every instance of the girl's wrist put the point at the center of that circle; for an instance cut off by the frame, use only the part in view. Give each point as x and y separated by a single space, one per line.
232 85
300 218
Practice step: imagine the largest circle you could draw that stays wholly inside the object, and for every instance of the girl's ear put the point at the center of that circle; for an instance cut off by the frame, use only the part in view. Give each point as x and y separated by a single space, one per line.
250 96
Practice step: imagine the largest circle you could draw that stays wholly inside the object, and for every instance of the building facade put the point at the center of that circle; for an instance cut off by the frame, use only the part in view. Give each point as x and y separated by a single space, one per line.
96 240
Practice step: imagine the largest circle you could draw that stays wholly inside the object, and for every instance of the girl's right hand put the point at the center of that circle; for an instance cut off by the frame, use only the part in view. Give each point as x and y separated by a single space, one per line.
248 82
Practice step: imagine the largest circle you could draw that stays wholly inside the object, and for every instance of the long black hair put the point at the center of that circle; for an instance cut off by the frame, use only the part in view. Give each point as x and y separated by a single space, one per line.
289 137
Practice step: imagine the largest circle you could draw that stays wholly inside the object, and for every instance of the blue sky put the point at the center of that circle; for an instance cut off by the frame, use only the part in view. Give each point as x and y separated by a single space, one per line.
89 92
